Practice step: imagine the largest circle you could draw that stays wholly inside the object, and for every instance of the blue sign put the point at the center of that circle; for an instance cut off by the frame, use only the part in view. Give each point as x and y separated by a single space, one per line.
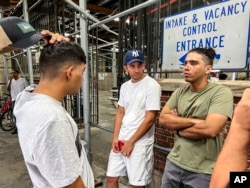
223 26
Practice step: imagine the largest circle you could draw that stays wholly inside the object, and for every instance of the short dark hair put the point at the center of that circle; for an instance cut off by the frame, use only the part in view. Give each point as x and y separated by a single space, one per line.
16 71
53 57
207 53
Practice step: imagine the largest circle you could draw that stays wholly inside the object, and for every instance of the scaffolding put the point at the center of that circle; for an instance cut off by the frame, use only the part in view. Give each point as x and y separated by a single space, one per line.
139 26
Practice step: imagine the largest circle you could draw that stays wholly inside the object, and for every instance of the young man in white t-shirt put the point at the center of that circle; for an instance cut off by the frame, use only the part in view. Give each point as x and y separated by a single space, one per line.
132 145
48 135
16 84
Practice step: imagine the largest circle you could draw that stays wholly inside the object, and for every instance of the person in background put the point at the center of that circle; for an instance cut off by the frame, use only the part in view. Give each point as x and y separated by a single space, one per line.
132 145
197 112
234 154
16 84
48 135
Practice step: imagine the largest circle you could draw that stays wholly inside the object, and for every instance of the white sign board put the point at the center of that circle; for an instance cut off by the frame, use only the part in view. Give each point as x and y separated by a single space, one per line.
223 26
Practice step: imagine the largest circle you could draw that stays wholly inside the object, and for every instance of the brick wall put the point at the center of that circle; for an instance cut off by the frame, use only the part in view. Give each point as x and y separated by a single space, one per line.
164 138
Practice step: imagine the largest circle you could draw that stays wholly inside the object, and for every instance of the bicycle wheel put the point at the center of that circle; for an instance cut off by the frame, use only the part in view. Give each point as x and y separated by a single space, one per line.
8 120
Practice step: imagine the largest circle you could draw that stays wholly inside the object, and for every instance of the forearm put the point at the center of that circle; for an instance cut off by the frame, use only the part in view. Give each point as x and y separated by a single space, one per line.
195 132
78 183
117 126
231 163
233 156
9 85
235 149
174 122
142 130
118 121
208 128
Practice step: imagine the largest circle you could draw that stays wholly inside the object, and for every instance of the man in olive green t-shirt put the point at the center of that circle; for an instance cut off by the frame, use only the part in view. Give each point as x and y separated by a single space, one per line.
198 113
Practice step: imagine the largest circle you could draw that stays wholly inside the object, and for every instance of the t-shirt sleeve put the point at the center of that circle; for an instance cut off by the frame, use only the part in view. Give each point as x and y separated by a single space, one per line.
173 99
121 97
56 154
222 102
154 98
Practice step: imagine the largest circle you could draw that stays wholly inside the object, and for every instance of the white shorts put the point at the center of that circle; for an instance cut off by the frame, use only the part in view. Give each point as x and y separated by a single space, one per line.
138 166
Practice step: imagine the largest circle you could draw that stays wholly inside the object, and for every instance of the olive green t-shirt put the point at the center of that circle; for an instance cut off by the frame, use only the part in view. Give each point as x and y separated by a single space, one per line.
199 155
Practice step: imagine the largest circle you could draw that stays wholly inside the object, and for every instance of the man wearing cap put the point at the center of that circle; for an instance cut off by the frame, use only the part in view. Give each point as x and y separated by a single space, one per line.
132 146
17 33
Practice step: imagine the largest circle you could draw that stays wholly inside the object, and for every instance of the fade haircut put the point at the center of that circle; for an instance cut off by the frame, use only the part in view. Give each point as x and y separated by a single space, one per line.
54 57
208 54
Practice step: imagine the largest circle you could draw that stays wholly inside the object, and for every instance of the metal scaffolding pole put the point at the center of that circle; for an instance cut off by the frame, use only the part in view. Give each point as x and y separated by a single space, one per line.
33 6
78 98
108 44
6 71
114 65
126 12
29 55
89 15
85 86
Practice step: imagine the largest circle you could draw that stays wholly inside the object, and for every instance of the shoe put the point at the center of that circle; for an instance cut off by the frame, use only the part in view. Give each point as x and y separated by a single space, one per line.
15 131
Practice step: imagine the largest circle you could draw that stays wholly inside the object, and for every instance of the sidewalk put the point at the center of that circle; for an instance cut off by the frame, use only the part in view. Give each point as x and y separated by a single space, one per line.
13 171
101 139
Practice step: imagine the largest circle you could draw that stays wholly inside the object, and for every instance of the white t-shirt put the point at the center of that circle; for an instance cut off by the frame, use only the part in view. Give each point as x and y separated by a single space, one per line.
48 137
17 86
137 98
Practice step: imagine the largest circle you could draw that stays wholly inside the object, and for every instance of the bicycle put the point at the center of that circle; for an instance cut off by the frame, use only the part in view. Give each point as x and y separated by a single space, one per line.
7 118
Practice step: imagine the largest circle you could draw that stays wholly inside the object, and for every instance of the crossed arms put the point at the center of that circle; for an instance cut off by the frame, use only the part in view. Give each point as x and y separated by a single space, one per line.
192 128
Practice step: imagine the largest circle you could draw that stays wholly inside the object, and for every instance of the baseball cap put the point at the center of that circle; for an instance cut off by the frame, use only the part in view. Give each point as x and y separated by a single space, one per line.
17 33
133 56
